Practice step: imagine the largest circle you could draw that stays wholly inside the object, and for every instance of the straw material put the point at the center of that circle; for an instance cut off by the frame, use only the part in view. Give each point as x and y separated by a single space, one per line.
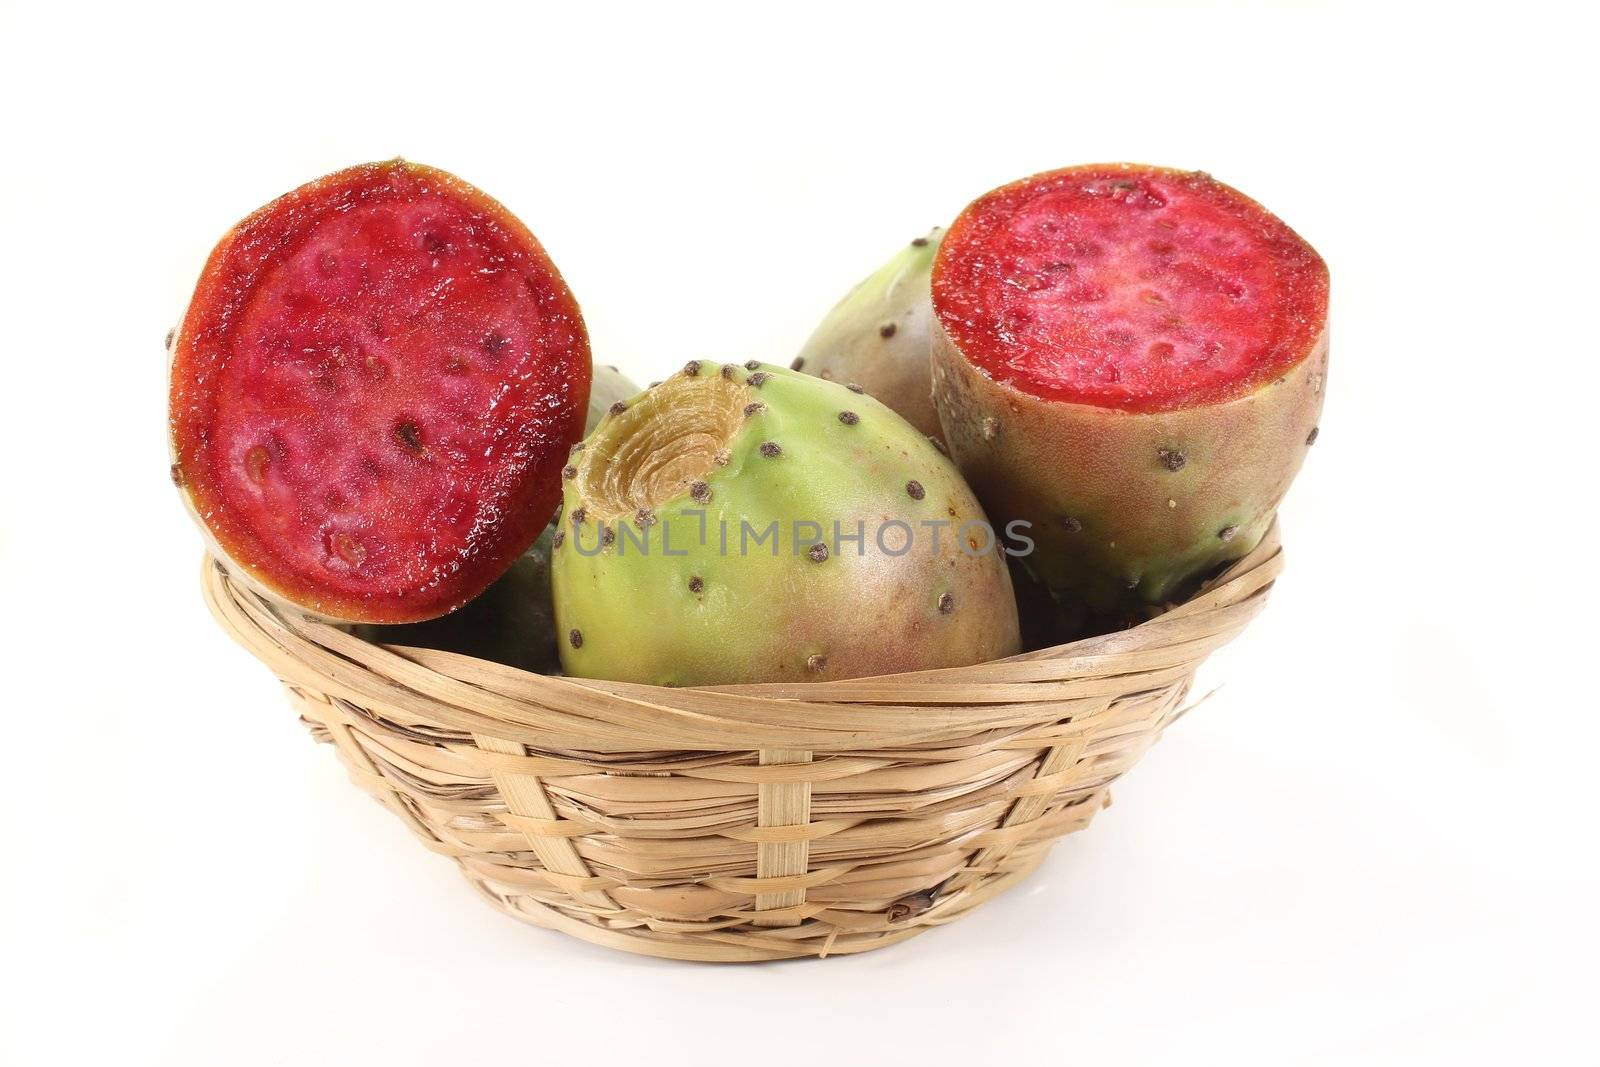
742 823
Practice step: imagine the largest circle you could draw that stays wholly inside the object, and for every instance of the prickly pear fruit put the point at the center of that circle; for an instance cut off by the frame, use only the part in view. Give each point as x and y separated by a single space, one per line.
877 336
1132 359
609 386
373 392
511 622
698 543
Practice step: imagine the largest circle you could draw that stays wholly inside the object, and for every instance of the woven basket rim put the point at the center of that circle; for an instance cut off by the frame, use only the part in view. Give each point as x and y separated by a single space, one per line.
883 712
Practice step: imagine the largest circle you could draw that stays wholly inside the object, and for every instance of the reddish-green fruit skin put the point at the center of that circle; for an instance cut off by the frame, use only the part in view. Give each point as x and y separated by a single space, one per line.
412 395
877 336
1128 507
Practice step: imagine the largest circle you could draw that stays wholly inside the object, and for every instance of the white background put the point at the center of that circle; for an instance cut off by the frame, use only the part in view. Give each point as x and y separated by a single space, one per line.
1375 844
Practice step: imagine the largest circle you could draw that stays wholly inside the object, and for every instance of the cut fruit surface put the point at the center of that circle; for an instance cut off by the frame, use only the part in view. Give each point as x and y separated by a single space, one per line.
373 393
1131 287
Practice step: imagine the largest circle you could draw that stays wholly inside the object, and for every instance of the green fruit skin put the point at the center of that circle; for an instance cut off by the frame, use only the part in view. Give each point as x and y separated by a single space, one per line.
641 616
607 386
512 622
1115 526
849 344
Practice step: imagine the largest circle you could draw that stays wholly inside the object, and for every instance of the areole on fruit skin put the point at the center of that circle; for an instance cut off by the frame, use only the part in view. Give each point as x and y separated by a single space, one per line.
607 386
877 336
1129 506
716 446
1126 519
245 255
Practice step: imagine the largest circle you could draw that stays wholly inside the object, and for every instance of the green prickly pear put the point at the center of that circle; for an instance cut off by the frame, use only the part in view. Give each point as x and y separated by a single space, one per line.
877 336
697 542
1132 359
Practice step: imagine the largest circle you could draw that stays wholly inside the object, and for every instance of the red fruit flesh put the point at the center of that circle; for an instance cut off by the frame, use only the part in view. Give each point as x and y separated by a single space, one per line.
373 393
1129 287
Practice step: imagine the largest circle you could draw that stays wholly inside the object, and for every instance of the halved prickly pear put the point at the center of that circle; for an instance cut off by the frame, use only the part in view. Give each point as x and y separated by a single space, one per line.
752 524
373 392
1131 358
877 336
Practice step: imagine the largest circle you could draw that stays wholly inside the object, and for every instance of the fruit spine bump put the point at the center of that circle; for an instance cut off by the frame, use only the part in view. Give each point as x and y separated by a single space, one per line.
878 336
608 386
684 557
372 392
1132 359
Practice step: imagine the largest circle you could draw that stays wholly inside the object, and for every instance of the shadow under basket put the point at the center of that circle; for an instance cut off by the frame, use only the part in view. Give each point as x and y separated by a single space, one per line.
743 823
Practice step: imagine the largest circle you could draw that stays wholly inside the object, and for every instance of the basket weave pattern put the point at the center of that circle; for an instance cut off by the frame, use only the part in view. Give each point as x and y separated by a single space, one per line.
744 823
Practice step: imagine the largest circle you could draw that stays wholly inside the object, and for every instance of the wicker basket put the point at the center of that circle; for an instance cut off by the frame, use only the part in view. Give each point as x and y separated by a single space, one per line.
743 823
